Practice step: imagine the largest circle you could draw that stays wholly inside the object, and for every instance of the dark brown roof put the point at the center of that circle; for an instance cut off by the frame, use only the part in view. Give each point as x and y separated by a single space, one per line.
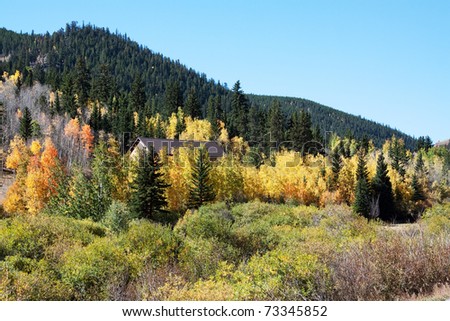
214 148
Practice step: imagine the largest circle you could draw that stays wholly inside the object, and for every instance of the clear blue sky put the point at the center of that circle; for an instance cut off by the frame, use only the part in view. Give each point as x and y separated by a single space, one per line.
386 60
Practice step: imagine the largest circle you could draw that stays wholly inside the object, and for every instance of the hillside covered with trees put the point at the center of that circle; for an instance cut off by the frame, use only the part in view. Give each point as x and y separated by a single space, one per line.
113 67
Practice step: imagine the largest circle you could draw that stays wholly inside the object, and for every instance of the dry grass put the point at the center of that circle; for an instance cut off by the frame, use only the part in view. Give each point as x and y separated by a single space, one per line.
441 292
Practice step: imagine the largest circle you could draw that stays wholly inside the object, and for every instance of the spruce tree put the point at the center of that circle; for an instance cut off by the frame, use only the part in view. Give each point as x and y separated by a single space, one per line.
69 103
148 187
418 194
419 168
398 155
382 191
239 112
82 82
201 190
300 131
361 205
173 98
137 95
336 165
57 103
25 127
192 107
275 122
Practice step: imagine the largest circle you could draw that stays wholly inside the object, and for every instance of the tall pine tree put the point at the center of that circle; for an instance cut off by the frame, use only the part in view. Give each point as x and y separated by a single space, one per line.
201 190
275 122
362 203
239 112
383 197
148 188
82 82
25 128
192 107
137 95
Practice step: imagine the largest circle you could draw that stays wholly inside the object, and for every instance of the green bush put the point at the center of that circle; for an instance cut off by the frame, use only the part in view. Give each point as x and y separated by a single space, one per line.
208 221
148 245
200 257
95 272
117 217
37 236
282 274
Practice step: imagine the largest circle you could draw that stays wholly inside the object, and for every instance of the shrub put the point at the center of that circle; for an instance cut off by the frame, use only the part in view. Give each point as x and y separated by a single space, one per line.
390 267
282 274
148 245
93 271
117 217
200 257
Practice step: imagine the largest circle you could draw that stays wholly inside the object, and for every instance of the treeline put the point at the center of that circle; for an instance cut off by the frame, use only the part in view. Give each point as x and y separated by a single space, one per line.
120 79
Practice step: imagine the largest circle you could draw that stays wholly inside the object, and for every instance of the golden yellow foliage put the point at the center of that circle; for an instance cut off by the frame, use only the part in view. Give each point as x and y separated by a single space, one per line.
197 129
178 171
171 129
35 147
223 138
17 153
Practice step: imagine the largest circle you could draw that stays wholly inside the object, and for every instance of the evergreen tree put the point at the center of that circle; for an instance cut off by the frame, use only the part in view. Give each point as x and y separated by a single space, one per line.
25 128
382 191
275 122
418 194
192 107
148 187
419 168
137 95
180 126
103 84
416 186
300 131
362 203
57 103
95 120
336 165
69 103
201 190
219 108
398 156
82 82
257 121
239 112
424 142
35 129
211 114
173 98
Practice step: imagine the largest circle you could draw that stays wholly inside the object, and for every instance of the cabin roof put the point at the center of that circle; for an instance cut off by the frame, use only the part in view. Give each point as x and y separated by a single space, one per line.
214 149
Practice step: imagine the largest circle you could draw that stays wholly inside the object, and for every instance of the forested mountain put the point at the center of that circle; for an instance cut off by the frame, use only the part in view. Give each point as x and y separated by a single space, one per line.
100 65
